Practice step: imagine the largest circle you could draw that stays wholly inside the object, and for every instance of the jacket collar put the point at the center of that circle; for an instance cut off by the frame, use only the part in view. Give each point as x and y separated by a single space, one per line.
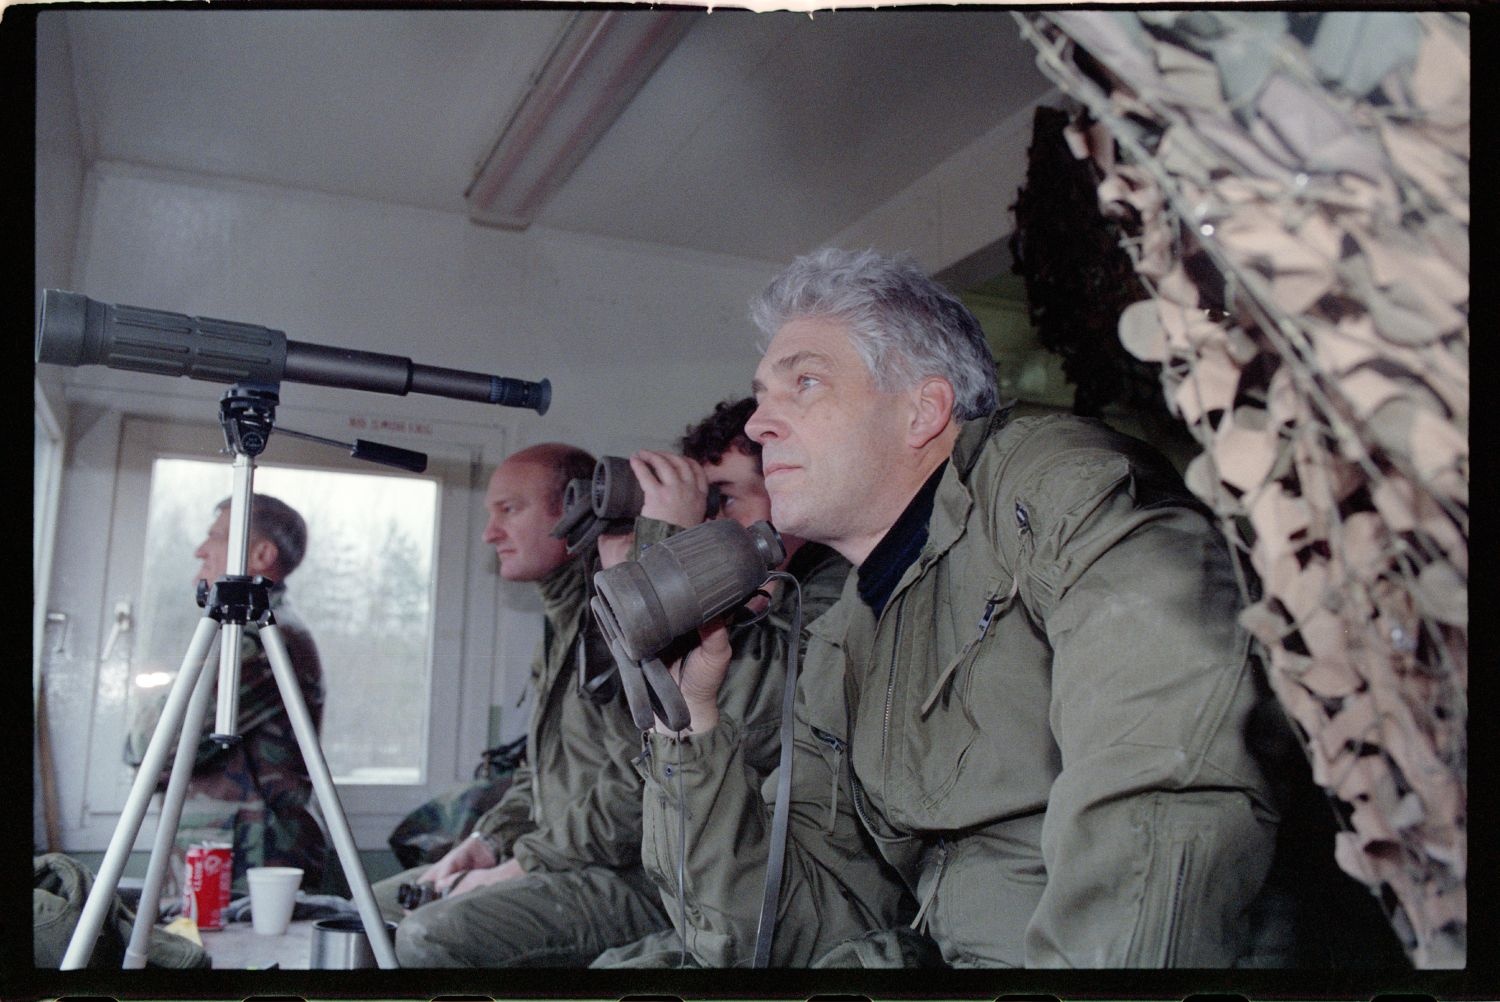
901 545
950 512
834 623
561 590
951 506
974 434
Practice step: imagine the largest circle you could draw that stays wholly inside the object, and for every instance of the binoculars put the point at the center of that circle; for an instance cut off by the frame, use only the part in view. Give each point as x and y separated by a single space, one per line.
676 586
416 894
608 502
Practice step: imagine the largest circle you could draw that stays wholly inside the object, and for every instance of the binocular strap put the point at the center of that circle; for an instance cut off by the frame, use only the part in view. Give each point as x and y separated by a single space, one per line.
776 857
666 698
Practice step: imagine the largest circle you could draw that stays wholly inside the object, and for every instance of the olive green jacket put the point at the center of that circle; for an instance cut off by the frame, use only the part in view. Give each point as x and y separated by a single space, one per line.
753 685
576 800
752 696
1040 740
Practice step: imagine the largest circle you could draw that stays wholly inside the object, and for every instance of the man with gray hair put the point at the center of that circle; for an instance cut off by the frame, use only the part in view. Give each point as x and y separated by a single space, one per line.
1029 700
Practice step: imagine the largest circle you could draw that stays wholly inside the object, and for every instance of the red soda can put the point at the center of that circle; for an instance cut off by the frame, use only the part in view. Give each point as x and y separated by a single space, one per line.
205 892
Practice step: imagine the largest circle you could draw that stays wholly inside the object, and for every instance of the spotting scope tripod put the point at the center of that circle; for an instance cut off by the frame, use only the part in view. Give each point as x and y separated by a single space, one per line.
246 414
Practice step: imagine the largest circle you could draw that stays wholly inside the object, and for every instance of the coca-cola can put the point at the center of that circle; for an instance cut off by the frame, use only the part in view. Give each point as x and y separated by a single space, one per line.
205 891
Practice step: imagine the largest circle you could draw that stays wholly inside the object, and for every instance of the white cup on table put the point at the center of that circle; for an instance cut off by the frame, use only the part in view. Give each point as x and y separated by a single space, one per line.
273 893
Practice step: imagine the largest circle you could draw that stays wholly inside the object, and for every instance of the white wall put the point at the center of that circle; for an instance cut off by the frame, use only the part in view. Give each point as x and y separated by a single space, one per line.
59 156
959 207
58 191
637 341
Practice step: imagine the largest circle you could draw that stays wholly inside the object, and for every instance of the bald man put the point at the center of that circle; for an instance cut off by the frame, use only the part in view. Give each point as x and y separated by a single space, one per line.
551 875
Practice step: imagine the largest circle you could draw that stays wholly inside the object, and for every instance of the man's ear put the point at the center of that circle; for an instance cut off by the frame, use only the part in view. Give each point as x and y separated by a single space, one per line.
932 411
262 558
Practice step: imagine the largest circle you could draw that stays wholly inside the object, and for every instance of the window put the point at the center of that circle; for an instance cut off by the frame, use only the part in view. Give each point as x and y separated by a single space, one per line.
403 602
46 475
364 588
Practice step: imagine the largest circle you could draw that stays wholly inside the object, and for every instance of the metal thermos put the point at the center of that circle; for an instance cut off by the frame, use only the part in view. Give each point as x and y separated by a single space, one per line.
340 944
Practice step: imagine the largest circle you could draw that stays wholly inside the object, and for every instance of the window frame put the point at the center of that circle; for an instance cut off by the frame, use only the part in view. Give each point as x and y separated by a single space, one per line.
460 682
47 470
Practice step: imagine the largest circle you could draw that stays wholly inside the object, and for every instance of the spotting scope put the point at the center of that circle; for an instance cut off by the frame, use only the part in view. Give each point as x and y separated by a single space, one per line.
75 330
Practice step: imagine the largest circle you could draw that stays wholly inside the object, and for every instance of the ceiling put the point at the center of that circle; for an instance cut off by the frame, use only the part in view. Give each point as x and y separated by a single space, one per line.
759 135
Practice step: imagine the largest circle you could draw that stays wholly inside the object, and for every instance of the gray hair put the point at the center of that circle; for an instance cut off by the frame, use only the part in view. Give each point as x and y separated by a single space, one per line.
277 522
904 325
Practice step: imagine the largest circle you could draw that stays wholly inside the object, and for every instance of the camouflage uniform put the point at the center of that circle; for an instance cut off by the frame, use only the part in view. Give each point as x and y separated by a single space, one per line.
255 794
571 818
428 832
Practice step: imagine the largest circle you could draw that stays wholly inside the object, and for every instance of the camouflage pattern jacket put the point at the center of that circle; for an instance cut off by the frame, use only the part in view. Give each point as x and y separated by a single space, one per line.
576 800
1040 737
255 794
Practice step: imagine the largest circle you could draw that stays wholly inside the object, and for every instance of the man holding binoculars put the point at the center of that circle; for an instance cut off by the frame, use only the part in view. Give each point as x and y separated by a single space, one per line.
568 829
719 460
1024 719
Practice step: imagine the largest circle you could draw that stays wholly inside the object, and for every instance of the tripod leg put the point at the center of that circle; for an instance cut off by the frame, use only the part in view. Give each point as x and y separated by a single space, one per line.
166 829
86 934
322 780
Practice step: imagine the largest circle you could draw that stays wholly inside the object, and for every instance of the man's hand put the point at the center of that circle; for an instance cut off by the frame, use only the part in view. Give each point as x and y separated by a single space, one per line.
675 487
469 854
508 870
700 675
614 549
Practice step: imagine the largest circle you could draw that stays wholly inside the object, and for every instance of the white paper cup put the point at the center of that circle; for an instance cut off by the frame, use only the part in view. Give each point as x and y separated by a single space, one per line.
273 893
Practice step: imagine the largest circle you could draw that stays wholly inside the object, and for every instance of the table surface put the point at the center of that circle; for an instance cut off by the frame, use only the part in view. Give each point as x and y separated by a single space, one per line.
238 946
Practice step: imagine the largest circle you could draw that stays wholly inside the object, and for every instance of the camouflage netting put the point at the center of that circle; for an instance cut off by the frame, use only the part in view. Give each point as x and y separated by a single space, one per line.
1297 187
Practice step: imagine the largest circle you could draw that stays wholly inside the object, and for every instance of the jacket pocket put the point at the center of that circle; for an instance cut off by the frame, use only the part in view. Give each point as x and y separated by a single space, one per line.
941 742
945 717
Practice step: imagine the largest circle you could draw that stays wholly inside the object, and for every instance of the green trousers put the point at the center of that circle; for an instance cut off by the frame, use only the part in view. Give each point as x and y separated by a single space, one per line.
552 919
60 888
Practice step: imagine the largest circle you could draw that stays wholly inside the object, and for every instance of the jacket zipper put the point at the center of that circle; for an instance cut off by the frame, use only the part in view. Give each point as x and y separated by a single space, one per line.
859 803
558 686
890 690
838 747
1169 948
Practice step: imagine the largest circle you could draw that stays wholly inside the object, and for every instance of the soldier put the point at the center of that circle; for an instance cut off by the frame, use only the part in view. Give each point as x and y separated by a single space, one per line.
551 875
716 453
255 794
1029 700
